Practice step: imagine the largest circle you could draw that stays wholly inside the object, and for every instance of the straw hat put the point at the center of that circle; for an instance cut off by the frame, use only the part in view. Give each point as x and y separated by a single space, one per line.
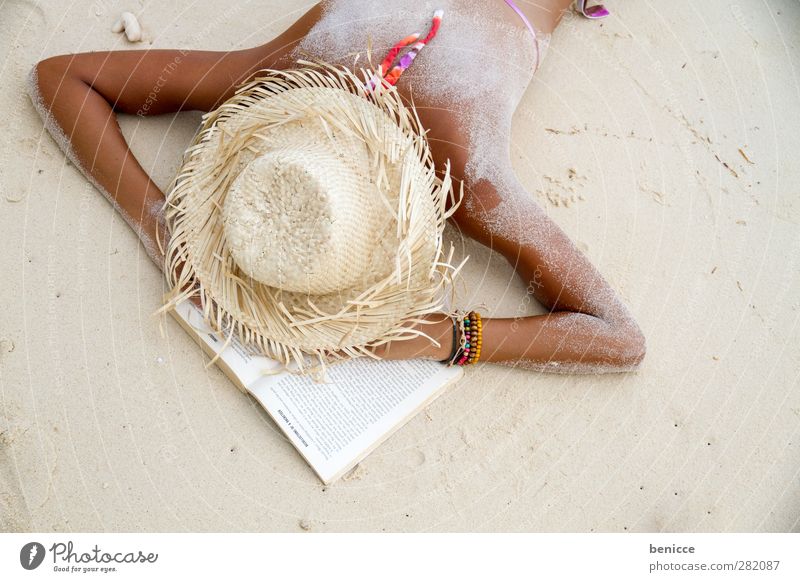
308 217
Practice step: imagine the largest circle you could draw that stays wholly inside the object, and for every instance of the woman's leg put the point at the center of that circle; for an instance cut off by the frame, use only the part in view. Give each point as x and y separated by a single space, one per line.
79 95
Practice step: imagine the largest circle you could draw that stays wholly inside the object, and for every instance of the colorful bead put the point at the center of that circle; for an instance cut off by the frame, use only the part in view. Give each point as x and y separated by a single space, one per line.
471 342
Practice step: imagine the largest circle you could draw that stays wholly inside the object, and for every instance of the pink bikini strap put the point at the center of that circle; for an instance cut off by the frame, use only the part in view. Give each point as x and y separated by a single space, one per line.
521 14
527 22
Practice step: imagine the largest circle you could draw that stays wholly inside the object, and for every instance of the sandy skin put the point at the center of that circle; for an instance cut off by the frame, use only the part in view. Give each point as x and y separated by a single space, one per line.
588 329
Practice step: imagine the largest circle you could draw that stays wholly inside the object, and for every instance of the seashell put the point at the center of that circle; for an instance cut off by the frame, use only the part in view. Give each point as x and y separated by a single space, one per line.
127 22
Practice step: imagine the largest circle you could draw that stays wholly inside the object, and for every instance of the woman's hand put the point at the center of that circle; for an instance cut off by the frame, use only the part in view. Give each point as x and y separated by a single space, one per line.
438 326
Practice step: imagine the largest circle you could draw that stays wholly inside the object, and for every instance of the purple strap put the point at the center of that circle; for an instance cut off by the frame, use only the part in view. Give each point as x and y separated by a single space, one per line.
527 22
593 12
521 14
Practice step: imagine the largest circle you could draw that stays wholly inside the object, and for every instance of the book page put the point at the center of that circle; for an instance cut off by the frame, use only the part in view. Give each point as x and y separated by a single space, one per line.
334 424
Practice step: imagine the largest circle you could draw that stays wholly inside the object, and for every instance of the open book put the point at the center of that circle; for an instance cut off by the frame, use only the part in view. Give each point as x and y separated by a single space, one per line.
335 424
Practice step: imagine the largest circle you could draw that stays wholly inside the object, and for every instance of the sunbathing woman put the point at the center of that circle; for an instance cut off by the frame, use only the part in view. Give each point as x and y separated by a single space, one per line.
465 85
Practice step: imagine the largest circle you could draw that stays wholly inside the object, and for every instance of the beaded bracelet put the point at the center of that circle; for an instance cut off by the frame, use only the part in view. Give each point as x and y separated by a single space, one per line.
469 351
475 337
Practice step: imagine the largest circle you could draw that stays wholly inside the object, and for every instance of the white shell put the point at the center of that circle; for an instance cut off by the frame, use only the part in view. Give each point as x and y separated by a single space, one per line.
128 22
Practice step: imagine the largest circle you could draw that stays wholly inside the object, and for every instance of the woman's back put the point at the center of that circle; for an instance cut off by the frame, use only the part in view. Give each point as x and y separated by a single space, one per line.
482 49
466 82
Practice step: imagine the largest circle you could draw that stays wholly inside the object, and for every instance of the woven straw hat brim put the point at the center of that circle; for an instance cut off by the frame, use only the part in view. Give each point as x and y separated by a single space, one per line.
408 274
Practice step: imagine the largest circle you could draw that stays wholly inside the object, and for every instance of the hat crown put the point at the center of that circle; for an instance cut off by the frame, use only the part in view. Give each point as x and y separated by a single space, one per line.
303 217
373 212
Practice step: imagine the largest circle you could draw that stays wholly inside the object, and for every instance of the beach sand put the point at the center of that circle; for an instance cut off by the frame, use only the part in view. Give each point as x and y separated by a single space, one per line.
663 140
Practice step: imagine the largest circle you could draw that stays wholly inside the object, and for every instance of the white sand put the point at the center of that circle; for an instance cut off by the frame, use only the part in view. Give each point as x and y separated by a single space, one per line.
630 137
